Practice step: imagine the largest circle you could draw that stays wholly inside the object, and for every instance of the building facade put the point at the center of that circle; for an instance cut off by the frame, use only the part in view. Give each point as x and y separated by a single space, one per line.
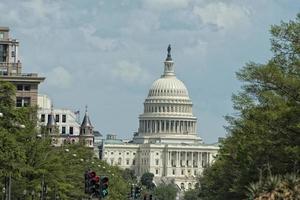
166 143
11 70
63 125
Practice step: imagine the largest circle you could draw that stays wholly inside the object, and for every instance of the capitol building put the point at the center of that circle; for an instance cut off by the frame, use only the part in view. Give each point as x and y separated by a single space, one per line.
166 143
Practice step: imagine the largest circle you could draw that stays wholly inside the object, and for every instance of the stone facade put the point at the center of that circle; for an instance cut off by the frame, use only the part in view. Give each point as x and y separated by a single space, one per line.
63 125
11 70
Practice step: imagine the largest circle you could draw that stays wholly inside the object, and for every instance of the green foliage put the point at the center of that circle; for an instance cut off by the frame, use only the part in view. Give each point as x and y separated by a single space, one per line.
276 187
264 134
147 180
165 192
30 159
191 195
128 174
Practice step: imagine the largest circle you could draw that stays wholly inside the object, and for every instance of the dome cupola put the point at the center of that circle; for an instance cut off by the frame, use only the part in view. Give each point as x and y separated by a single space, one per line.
167 113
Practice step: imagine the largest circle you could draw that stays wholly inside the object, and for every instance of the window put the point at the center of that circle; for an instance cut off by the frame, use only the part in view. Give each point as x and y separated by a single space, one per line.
173 171
119 161
157 153
182 186
71 130
156 171
112 153
22 101
64 118
20 87
182 172
133 153
3 48
56 118
157 162
26 101
133 162
19 102
23 87
127 162
127 153
1 36
27 87
63 130
42 117
120 153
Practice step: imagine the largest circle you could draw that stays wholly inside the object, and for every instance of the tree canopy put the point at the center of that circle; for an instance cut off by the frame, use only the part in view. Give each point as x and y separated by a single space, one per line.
29 159
147 180
264 133
165 192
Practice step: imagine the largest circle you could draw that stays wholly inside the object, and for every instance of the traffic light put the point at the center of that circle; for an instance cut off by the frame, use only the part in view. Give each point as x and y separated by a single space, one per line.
104 186
150 197
91 183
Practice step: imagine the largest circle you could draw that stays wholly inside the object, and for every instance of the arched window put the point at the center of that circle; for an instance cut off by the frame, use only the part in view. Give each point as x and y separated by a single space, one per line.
190 186
182 186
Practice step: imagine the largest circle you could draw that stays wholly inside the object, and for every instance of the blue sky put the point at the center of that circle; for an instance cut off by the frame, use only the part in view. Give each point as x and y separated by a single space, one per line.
106 53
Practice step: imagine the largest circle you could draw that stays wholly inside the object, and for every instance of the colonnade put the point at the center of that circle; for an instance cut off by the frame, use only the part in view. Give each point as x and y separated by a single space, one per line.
167 126
167 109
188 159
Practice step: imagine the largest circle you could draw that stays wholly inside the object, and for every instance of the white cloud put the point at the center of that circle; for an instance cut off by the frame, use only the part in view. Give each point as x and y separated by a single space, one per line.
226 16
165 4
130 72
59 77
104 44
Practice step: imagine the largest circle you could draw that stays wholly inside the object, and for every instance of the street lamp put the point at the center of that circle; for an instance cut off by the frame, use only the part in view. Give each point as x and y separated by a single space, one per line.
1 114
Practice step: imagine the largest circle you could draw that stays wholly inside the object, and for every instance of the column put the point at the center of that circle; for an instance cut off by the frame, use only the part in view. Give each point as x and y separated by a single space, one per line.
185 159
200 159
159 126
192 153
177 159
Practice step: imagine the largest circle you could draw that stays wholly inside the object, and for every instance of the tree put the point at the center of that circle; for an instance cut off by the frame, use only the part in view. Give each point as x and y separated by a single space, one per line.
191 195
265 131
31 160
147 180
276 187
165 192
128 174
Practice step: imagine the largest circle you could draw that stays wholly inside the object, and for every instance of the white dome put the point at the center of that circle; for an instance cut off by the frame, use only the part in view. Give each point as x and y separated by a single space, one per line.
168 115
168 86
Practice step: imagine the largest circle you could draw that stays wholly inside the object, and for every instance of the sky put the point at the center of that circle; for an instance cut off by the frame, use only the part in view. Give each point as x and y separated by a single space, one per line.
106 53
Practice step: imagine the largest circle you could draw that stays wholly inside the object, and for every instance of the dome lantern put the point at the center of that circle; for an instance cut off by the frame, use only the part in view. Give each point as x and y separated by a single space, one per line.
169 68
